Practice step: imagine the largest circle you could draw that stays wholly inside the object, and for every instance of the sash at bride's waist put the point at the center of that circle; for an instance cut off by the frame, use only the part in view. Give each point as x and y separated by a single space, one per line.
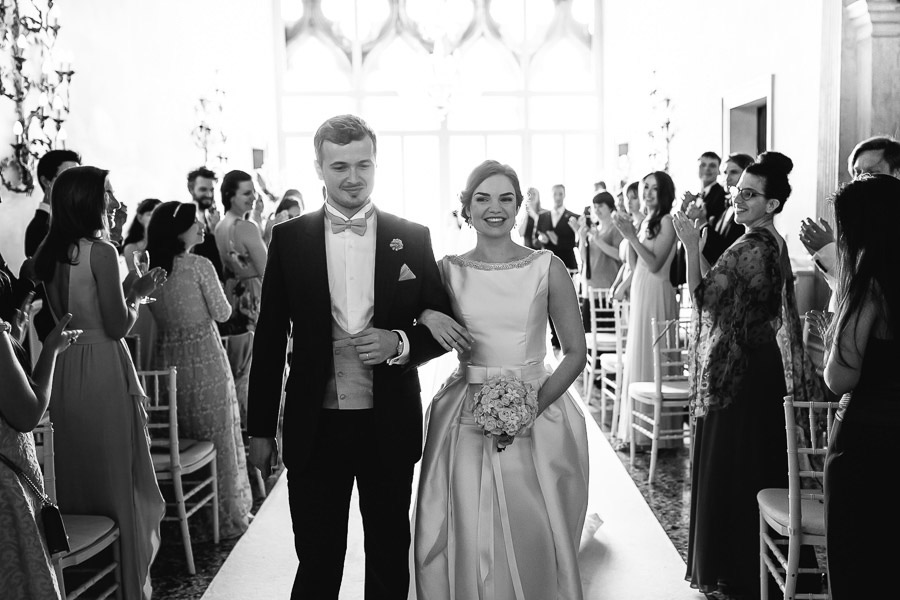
476 374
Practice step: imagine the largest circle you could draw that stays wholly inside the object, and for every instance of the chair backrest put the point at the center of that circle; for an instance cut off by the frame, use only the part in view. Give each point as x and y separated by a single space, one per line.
603 319
806 484
670 350
43 446
162 411
620 320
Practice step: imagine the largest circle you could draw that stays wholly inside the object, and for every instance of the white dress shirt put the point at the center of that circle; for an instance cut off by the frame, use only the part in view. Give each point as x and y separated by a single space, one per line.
351 275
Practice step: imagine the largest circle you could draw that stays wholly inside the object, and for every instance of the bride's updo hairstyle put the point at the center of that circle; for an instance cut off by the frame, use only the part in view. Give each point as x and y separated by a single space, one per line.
488 168
773 168
169 220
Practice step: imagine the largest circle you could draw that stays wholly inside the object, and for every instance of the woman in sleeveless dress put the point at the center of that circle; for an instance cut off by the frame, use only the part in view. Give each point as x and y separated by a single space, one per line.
243 255
492 524
651 252
135 241
862 365
26 572
185 311
103 464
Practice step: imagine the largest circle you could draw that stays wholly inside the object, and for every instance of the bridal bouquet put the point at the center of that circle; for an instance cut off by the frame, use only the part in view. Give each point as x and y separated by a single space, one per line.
505 406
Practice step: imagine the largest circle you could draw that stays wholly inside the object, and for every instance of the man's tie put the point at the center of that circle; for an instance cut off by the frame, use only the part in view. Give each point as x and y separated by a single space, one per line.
357 226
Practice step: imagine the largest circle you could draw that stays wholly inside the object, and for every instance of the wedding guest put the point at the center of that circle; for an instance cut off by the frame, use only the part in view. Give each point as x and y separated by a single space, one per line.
864 351
290 207
737 382
103 463
135 241
556 232
49 167
506 524
185 310
201 185
651 250
708 204
241 250
598 242
26 571
879 154
137 233
630 205
528 226
724 230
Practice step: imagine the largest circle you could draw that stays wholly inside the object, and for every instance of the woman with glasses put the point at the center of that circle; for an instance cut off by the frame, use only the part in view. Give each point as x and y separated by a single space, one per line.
185 312
103 463
737 381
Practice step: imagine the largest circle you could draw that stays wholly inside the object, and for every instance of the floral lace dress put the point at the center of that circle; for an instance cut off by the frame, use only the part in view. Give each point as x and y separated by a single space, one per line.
25 569
186 306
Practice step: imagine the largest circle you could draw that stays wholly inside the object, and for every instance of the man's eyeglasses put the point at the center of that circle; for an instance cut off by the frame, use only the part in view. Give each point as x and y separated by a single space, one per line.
747 193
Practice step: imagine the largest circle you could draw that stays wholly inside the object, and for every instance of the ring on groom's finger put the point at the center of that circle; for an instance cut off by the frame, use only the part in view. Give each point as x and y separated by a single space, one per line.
366 356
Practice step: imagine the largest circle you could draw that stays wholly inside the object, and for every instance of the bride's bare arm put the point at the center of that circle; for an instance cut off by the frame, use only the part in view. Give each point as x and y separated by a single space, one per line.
564 312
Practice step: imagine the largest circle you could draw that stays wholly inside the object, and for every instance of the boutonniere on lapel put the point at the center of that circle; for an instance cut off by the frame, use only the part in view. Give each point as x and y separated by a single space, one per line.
396 244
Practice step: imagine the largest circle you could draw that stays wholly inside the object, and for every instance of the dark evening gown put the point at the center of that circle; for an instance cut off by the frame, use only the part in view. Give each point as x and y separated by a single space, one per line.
859 510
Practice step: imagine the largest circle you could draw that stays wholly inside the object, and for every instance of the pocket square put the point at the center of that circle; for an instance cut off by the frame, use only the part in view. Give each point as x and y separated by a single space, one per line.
406 273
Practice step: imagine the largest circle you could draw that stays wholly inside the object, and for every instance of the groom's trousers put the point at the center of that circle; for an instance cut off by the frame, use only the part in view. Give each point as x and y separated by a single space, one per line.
346 449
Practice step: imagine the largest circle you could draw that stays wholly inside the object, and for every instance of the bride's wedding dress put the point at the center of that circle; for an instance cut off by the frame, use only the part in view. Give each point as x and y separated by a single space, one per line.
502 525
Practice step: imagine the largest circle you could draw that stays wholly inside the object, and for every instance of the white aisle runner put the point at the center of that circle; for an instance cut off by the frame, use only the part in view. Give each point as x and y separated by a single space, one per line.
629 557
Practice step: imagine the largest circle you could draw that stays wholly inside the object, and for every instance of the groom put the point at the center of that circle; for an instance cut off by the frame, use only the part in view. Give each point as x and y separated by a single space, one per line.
347 282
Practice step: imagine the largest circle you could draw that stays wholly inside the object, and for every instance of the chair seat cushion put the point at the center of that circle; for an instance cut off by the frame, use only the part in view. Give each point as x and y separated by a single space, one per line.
600 340
672 390
195 453
86 530
608 361
773 502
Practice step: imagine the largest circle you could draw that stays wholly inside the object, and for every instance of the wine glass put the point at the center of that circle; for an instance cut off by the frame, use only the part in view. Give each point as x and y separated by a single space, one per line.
142 267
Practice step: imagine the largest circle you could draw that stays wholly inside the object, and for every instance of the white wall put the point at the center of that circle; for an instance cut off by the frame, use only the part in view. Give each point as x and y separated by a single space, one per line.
141 66
704 50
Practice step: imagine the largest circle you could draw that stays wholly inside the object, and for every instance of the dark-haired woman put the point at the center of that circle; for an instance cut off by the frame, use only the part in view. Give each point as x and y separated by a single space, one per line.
862 363
290 207
136 240
103 463
737 384
185 311
651 252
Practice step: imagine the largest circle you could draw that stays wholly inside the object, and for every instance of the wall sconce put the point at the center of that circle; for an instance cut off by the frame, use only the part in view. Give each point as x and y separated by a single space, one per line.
36 79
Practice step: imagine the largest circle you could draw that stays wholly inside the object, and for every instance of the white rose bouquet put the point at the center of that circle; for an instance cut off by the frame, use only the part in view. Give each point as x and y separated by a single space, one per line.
504 407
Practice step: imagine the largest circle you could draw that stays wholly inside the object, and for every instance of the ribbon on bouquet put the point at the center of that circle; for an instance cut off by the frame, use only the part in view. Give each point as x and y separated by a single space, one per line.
492 478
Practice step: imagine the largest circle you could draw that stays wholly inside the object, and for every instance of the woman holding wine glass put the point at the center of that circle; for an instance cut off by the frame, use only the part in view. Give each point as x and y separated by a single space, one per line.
103 463
138 263
186 308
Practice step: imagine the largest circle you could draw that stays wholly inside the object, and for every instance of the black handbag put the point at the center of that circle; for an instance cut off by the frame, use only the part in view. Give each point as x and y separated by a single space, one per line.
54 528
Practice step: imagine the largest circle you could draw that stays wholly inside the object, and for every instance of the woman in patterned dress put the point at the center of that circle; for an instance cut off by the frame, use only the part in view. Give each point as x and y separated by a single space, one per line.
185 311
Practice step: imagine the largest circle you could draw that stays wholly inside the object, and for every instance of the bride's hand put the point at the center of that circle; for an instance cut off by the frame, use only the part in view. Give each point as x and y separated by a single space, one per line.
448 333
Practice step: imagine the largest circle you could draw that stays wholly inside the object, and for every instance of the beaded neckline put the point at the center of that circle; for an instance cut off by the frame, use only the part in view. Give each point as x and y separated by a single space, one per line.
486 266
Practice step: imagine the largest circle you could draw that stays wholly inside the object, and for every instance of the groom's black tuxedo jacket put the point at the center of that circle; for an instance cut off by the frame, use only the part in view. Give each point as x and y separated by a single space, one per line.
295 291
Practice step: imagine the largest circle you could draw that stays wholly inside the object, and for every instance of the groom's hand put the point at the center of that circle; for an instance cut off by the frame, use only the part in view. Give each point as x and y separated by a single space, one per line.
263 454
375 346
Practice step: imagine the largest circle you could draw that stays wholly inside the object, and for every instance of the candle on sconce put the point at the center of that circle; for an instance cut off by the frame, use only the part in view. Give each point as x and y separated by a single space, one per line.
17 130
61 137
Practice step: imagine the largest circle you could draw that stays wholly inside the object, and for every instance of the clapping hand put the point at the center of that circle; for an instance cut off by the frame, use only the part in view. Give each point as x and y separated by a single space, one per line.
820 321
689 231
19 324
814 235
213 217
687 199
446 331
146 285
625 225
59 338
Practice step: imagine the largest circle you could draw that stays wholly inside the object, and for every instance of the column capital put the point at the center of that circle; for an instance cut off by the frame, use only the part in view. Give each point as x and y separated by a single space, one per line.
875 18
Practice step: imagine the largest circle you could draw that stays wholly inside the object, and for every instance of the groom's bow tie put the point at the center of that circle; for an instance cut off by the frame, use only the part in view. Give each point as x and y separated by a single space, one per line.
357 226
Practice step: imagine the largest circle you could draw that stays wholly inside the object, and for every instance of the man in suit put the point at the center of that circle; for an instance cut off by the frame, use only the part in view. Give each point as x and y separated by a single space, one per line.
347 283
707 204
49 167
201 184
556 232
723 230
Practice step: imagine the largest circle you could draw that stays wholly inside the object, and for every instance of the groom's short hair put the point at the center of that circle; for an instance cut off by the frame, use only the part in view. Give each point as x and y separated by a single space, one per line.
342 130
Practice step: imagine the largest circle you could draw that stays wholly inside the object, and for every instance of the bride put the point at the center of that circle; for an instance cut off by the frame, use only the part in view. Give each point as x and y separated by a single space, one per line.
495 522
